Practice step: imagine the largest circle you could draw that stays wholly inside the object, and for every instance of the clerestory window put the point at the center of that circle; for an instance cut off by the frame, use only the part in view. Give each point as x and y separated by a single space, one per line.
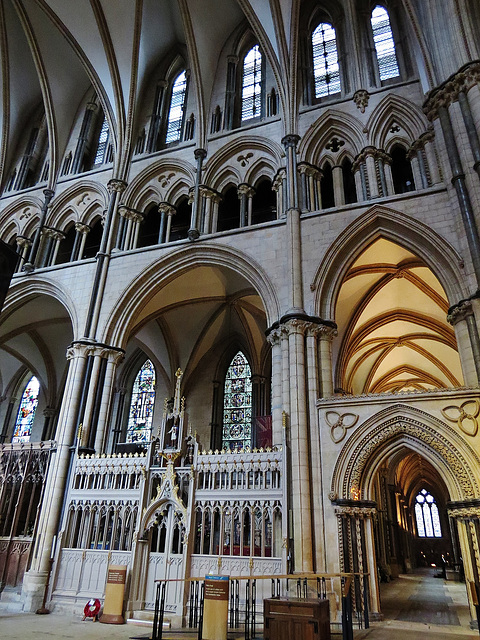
326 70
252 84
177 109
237 405
427 516
102 154
140 417
384 44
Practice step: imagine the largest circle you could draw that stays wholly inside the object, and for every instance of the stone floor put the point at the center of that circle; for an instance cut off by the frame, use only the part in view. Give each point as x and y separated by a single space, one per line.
415 607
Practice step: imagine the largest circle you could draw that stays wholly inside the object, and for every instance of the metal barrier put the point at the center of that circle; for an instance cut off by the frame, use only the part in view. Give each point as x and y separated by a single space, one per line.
245 590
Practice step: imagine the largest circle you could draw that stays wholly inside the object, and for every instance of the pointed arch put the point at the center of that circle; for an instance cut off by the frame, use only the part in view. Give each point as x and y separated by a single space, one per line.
395 110
331 124
405 231
401 425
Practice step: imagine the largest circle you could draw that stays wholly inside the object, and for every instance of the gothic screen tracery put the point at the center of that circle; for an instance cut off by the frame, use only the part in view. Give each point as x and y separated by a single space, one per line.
140 417
26 411
237 405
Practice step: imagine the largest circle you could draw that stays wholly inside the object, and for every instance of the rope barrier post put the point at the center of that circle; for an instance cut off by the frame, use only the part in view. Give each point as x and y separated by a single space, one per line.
200 617
155 613
347 621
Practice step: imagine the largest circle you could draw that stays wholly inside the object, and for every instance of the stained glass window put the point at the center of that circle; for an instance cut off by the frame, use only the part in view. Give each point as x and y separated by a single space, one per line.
26 411
252 84
175 114
384 45
140 418
427 516
100 154
326 71
237 405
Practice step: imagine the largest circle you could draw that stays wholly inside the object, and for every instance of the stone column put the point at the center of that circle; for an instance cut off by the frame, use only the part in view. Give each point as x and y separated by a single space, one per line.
29 266
275 338
115 187
193 232
167 211
318 522
300 465
370 154
412 155
156 117
90 397
55 488
293 225
338 190
8 416
429 146
245 195
327 334
278 187
437 106
114 358
463 312
80 238
387 168
23 245
83 138
48 414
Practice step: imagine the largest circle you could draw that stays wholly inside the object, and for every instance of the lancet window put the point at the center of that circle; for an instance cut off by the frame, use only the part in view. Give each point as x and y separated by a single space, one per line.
252 84
102 153
427 516
139 428
384 44
326 70
237 405
176 110
26 411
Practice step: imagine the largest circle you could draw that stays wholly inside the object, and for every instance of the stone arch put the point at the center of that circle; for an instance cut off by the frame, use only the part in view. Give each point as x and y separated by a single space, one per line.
24 213
381 222
158 178
330 125
401 425
155 277
239 155
82 199
21 292
392 110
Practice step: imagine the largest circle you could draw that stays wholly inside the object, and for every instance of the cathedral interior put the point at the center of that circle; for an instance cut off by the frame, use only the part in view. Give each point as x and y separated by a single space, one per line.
242 332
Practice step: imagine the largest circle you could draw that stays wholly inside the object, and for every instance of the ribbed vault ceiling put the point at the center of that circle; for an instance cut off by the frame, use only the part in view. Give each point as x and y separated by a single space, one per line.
52 51
392 318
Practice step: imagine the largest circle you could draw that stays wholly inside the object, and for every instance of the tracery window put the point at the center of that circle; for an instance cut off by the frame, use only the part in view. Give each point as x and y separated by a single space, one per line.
102 146
237 405
384 44
176 110
252 84
26 411
326 71
427 516
139 428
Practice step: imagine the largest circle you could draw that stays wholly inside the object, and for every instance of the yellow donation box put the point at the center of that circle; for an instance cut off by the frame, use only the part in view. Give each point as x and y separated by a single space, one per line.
113 605
215 608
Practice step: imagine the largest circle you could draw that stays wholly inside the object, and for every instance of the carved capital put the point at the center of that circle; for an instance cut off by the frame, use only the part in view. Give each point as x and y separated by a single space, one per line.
291 140
116 186
82 228
460 312
167 208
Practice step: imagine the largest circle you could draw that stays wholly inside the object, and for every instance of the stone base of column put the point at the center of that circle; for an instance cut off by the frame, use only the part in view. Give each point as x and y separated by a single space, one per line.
193 234
33 589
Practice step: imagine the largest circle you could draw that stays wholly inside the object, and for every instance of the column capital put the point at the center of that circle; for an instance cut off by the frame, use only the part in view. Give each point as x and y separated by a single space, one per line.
459 312
23 242
232 59
245 189
290 140
167 208
200 154
48 193
445 94
116 186
49 412
82 228
91 106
